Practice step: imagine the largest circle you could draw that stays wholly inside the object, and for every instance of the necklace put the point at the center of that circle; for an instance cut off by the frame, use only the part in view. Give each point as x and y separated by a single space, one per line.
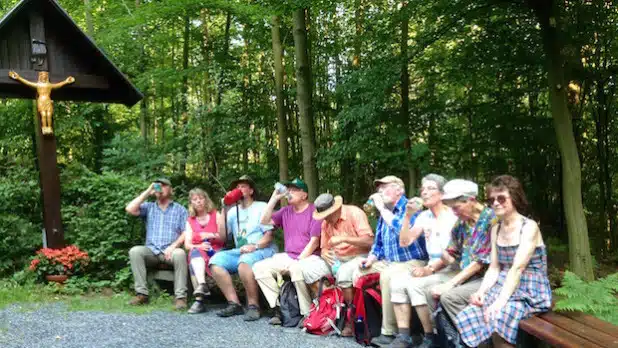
203 220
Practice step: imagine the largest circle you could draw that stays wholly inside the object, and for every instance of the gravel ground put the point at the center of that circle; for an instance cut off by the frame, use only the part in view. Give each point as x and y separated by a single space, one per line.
52 325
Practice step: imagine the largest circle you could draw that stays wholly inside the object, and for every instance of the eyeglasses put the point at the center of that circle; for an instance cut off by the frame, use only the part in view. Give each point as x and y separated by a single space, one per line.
500 198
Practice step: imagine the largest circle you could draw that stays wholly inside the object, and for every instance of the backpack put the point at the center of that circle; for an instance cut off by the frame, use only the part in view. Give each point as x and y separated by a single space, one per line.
448 336
366 309
326 312
288 303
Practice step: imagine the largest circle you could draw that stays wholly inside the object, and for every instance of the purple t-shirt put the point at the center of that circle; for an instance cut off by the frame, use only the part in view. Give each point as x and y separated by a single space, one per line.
298 228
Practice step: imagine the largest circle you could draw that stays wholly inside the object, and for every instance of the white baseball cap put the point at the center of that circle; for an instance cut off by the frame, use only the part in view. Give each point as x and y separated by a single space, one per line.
459 188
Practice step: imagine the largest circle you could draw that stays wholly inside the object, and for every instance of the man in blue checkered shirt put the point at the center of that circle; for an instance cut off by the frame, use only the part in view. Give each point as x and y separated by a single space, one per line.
165 224
387 257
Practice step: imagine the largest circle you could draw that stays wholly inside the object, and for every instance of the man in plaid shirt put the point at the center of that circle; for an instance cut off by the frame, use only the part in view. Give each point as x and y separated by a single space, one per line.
387 257
165 223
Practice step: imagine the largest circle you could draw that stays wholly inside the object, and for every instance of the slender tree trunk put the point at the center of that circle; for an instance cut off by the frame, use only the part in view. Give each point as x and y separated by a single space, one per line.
282 128
579 245
184 155
143 119
405 99
226 47
303 97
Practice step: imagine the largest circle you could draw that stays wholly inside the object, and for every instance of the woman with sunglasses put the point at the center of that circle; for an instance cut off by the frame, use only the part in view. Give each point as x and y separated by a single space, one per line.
515 286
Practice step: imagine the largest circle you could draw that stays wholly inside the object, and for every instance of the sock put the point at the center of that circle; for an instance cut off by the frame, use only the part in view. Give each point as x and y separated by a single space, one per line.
404 333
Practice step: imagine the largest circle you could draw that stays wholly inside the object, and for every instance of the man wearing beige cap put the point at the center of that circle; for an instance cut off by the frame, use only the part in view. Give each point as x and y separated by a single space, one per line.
345 241
387 257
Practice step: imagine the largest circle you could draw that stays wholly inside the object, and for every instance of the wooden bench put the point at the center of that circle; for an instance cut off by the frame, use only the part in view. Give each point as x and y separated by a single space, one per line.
568 330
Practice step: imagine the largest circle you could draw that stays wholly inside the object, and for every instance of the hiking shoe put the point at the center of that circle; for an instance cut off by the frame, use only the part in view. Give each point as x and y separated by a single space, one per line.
232 308
139 300
383 340
427 342
201 291
180 304
275 320
301 322
401 342
252 313
197 307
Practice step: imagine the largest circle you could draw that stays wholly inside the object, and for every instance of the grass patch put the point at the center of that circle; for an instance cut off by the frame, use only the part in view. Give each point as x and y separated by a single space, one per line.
31 296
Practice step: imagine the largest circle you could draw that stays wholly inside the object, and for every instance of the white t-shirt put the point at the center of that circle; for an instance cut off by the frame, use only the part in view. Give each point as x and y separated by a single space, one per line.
437 231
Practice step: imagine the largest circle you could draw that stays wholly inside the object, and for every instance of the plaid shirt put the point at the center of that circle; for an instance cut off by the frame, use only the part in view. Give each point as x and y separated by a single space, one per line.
162 227
386 243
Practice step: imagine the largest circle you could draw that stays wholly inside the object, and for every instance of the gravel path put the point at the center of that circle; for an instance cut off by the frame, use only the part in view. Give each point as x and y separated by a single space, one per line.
52 325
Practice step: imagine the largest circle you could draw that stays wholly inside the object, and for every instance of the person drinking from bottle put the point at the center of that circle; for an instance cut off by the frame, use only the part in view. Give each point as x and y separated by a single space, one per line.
345 240
409 290
387 257
204 235
165 223
252 241
301 234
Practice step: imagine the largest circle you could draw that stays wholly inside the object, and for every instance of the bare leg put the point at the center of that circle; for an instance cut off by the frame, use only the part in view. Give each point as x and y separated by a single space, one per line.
348 295
315 286
224 282
402 314
425 316
500 342
199 268
248 280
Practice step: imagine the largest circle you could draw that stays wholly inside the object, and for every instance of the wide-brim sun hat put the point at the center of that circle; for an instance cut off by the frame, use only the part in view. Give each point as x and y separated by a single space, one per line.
325 204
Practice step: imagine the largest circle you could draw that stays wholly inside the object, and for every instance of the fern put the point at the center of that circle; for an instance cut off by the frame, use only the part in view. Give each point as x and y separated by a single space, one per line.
598 298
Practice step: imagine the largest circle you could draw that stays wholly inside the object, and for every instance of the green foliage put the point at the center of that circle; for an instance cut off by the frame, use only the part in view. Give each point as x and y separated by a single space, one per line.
599 298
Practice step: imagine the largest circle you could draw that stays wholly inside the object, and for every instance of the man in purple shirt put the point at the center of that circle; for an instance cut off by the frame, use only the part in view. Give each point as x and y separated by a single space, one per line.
301 234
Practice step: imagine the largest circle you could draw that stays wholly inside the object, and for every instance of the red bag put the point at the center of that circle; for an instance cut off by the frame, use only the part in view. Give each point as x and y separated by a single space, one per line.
326 311
366 309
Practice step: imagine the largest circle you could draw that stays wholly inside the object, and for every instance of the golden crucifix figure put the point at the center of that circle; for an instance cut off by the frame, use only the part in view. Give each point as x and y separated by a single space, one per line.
44 103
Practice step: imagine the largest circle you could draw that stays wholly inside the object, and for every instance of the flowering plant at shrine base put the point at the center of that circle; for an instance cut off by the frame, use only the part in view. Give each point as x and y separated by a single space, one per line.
66 261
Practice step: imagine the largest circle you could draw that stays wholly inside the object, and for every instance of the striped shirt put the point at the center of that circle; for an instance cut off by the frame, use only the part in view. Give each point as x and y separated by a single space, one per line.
386 243
163 227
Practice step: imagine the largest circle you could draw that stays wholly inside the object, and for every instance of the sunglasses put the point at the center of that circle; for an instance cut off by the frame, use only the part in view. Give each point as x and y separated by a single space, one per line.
500 198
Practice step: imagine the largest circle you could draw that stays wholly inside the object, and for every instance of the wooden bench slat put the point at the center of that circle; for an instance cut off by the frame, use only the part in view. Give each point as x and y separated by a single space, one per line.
594 322
588 332
554 335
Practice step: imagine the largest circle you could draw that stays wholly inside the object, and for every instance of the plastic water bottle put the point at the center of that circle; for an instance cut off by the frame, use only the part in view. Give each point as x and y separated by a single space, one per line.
369 206
359 328
335 266
280 188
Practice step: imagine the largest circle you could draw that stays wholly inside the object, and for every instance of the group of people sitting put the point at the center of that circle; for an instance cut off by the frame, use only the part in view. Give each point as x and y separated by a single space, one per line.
484 265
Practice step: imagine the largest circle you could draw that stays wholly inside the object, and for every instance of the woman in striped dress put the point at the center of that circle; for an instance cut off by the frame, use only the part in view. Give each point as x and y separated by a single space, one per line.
515 285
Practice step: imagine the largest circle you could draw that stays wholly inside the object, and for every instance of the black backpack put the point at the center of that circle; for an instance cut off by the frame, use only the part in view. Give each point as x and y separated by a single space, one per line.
448 336
288 302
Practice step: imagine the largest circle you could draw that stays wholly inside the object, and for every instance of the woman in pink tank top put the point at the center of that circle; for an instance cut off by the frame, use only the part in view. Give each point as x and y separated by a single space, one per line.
204 235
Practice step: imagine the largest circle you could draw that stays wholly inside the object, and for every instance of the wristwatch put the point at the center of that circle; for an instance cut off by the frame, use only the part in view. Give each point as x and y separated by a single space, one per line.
431 269
257 246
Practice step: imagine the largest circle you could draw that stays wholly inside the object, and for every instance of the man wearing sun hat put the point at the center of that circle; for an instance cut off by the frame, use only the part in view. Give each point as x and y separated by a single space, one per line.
301 235
165 224
345 240
252 243
387 257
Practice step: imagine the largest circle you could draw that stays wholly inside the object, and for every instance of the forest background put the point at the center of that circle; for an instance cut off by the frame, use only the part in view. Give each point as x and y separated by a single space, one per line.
338 92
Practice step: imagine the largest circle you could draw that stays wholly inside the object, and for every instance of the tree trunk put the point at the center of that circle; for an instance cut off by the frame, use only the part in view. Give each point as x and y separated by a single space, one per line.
226 47
404 117
184 154
282 129
579 245
303 97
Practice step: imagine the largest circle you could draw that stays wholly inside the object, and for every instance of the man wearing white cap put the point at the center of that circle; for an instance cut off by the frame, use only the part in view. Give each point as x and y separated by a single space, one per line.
469 249
345 240
387 257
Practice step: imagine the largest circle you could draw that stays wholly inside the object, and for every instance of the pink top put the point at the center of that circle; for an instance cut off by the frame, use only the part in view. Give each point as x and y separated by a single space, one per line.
211 227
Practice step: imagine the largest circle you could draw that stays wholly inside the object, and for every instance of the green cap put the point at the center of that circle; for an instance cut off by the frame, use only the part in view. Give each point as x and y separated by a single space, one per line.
297 183
164 181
